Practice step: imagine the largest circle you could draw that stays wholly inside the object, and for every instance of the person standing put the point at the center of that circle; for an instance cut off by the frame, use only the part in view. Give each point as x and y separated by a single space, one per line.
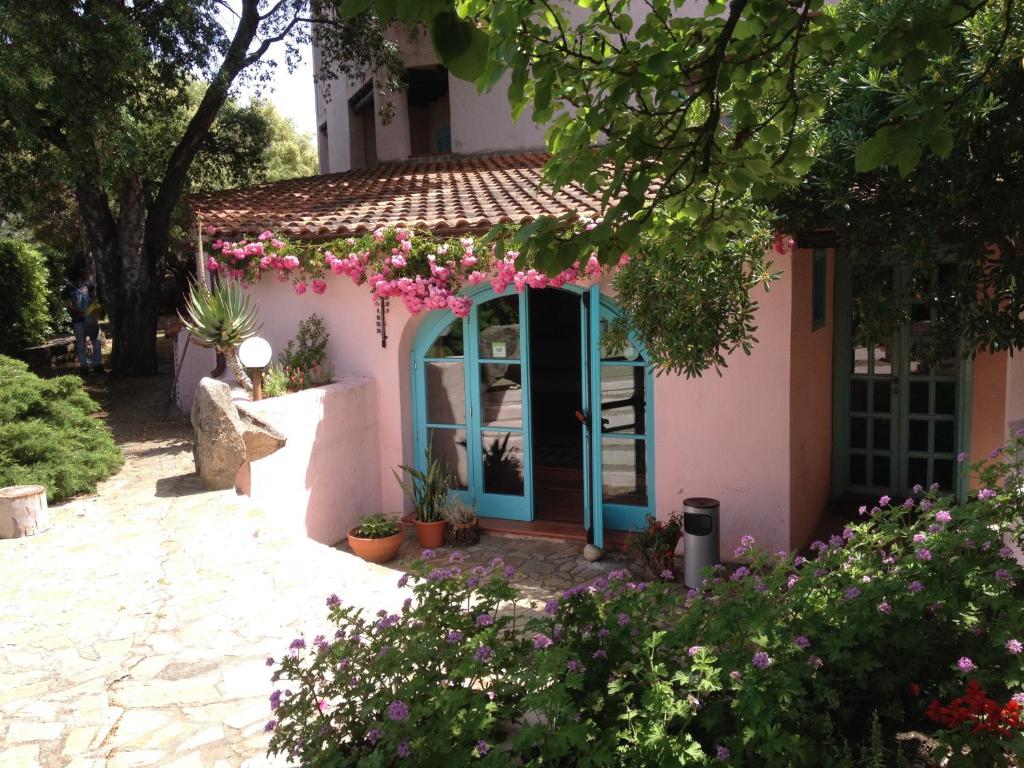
85 320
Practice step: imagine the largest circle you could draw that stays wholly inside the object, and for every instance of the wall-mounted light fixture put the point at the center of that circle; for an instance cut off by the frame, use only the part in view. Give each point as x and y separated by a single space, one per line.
254 353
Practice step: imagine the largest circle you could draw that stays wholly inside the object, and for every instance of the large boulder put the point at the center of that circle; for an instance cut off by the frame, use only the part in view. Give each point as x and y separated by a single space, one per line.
226 438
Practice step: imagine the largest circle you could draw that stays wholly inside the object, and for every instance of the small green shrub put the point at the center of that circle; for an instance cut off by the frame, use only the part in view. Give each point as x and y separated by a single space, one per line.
275 382
653 547
48 435
24 310
377 527
304 359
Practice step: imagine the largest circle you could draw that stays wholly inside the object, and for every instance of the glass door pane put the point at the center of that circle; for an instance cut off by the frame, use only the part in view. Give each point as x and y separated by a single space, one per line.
443 384
621 424
500 397
869 426
931 443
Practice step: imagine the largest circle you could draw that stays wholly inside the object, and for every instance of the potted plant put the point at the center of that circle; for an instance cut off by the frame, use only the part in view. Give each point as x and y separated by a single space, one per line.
428 492
376 539
462 527
653 548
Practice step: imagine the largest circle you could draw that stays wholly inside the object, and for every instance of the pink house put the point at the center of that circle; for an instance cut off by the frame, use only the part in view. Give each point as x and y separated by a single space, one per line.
545 429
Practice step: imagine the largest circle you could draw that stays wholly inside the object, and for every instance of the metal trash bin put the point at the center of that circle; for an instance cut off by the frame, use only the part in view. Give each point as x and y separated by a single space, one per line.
700 538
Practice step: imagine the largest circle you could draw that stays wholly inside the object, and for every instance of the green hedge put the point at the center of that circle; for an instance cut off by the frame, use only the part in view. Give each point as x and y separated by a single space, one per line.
48 435
25 309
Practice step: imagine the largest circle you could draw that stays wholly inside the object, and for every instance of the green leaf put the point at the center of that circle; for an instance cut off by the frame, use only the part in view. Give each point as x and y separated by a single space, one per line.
770 134
459 45
941 141
873 152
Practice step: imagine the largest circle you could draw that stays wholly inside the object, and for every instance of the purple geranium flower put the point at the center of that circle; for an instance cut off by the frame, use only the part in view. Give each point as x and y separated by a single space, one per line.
924 554
966 665
541 641
915 586
482 747
398 710
333 600
761 660
884 607
801 642
428 554
453 637
1014 646
986 493
373 735
484 620
852 593
403 750
483 653
721 753
943 516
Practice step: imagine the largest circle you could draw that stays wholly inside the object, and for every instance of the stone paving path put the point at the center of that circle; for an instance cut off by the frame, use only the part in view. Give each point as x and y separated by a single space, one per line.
135 630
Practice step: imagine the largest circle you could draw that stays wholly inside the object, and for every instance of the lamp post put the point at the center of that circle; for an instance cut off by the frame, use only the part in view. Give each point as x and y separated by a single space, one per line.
254 353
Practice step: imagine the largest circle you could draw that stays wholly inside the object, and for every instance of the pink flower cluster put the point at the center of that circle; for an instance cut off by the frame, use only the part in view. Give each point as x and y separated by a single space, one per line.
391 267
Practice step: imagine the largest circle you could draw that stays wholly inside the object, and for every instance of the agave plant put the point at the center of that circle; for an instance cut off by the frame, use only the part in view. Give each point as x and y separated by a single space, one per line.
221 318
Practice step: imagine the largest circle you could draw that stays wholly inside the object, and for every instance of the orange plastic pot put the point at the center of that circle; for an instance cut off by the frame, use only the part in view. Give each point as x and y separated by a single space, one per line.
430 534
375 550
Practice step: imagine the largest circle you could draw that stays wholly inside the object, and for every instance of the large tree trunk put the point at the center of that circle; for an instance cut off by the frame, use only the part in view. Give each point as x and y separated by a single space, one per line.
134 321
128 273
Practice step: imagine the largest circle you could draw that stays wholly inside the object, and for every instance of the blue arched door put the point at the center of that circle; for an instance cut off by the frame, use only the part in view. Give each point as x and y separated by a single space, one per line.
474 407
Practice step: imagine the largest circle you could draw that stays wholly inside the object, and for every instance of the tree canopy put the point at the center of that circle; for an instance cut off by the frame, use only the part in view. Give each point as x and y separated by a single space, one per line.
103 94
698 122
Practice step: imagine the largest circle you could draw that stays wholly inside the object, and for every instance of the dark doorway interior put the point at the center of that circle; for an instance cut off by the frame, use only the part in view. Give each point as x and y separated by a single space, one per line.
555 375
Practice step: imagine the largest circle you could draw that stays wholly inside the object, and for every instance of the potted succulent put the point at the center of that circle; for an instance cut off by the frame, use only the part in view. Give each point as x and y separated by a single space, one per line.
428 492
462 527
376 539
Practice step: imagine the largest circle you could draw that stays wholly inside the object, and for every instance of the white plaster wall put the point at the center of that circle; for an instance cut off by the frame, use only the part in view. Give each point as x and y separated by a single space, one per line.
326 476
482 122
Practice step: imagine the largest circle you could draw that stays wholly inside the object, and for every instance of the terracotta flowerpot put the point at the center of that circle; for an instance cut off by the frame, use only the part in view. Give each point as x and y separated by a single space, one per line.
375 550
430 534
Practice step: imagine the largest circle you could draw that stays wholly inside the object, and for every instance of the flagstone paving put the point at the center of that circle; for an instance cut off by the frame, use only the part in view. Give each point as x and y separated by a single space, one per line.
135 630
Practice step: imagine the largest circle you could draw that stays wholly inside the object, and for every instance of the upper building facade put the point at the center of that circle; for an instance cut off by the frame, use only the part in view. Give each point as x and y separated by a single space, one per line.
436 114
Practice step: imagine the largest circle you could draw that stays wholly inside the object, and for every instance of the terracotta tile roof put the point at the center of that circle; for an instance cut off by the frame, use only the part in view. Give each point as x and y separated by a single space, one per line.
448 195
